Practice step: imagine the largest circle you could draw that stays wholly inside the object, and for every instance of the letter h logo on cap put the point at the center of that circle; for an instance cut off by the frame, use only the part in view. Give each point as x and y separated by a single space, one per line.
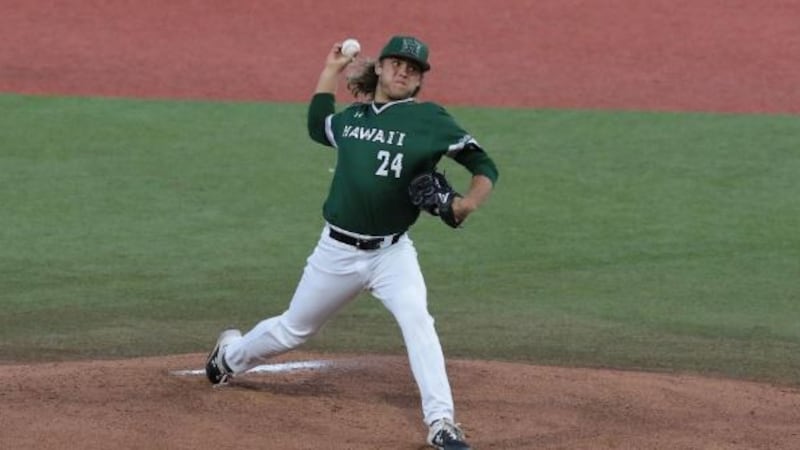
407 47
411 47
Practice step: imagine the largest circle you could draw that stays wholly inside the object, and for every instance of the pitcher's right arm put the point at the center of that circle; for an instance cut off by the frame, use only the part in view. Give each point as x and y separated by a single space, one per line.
323 104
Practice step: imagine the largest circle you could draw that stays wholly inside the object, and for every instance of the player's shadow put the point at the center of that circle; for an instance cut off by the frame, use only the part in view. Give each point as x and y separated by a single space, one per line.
311 388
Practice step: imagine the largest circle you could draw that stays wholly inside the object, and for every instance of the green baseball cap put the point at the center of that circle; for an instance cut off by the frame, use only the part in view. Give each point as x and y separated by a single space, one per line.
407 47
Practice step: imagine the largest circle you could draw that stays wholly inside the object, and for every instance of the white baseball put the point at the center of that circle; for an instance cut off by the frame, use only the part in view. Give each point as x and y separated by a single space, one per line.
350 47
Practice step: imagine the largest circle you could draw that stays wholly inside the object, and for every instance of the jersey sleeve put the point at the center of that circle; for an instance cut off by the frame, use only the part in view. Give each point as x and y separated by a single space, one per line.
458 144
448 134
320 112
324 123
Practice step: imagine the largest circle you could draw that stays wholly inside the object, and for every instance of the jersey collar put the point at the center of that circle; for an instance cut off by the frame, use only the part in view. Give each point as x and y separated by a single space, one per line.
379 110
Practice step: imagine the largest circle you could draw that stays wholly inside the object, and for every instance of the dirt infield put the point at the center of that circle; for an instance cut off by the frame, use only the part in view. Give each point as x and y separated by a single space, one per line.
370 402
700 55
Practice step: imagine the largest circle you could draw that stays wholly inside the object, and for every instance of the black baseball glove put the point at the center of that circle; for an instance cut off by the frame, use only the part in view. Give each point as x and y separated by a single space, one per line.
431 192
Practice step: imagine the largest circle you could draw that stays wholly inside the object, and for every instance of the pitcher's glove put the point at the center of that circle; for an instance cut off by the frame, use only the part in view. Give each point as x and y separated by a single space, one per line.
431 192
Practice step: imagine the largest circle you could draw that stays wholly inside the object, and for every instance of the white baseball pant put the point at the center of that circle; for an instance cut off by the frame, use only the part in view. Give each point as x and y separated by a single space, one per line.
334 275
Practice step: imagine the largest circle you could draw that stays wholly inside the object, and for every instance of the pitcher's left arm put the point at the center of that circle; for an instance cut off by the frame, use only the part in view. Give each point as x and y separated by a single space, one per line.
484 177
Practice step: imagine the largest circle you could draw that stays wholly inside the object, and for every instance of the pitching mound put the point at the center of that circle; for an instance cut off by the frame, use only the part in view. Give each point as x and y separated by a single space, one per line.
307 401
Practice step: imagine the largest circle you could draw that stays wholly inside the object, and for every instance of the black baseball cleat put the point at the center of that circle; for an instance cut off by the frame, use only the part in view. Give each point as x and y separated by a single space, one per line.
446 435
217 369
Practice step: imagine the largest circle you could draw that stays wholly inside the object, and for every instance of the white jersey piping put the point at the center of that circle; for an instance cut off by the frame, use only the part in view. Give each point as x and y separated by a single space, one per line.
379 110
329 131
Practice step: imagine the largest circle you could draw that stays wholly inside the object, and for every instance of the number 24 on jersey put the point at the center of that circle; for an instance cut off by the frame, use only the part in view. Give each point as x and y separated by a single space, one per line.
387 164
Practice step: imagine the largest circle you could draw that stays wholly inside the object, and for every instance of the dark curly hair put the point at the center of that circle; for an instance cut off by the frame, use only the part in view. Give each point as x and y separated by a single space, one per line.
363 81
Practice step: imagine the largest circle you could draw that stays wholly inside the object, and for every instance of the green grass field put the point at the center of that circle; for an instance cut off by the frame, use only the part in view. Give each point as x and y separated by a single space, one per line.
657 241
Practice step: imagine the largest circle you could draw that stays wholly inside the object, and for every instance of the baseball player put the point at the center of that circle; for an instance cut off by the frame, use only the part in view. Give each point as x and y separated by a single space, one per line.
387 149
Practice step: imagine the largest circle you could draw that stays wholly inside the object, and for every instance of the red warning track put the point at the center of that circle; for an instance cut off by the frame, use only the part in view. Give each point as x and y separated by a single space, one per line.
703 55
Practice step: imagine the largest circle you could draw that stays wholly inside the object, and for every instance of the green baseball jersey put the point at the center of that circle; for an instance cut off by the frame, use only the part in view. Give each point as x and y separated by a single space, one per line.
380 149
